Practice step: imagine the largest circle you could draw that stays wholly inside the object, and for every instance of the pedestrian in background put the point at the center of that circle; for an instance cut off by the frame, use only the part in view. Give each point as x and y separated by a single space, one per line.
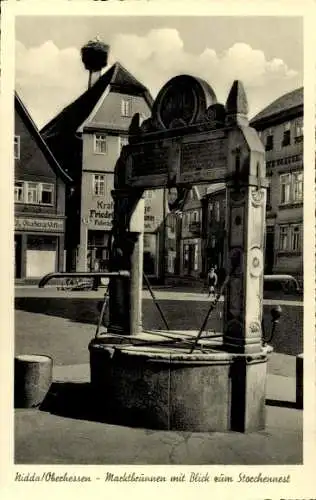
212 281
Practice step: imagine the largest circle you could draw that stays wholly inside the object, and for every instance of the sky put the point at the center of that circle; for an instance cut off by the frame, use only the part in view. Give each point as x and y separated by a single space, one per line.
266 53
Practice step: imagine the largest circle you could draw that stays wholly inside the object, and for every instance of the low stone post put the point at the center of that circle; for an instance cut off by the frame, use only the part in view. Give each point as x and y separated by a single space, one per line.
32 379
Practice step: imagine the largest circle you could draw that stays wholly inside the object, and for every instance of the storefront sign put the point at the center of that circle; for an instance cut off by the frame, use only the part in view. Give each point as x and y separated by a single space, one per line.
102 215
37 224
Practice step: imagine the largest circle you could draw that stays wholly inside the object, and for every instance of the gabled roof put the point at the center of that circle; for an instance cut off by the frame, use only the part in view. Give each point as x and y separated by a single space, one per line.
29 123
72 117
285 103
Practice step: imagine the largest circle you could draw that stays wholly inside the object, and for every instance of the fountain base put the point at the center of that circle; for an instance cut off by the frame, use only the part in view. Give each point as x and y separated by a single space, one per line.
159 384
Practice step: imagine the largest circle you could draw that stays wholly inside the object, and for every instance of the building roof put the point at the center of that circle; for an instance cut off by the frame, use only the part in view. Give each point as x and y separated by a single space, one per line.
26 117
286 103
73 116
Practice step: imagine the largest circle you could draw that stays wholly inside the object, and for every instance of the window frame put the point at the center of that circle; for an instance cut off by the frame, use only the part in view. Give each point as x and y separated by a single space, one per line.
17 142
293 234
298 199
269 142
34 188
126 107
51 190
98 182
286 141
292 199
284 232
285 201
99 138
16 188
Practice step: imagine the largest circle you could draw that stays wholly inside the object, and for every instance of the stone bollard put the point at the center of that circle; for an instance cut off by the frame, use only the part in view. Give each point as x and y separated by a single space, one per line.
32 379
299 380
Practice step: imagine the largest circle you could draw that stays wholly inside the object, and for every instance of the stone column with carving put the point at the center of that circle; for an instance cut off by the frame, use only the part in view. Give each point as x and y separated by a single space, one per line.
246 199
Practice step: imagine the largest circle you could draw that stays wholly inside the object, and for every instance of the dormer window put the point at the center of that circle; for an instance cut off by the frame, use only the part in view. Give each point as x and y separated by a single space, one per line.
16 147
269 140
126 107
100 144
287 134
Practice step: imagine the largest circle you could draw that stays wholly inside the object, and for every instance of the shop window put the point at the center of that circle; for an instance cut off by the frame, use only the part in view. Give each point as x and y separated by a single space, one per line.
100 144
17 147
291 187
19 192
98 184
126 107
287 134
269 140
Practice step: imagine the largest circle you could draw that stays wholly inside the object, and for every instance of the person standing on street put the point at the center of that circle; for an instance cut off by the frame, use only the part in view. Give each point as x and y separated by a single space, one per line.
212 282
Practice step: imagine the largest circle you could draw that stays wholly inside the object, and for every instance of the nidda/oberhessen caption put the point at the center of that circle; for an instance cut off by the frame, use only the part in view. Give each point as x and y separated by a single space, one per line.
132 477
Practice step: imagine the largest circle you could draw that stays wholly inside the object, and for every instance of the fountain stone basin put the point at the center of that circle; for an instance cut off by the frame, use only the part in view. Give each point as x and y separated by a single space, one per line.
163 386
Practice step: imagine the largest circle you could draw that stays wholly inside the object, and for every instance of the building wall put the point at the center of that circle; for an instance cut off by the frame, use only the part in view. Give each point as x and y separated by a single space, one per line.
96 211
214 222
283 159
109 115
39 228
191 241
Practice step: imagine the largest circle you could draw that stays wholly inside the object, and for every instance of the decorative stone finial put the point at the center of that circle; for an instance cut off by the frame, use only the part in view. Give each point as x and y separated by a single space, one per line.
237 105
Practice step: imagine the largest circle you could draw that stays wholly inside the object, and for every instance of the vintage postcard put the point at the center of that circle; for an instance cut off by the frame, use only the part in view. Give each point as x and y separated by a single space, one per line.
158 222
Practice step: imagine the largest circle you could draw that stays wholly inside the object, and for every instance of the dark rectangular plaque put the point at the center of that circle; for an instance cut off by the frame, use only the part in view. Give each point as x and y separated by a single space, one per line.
203 160
149 163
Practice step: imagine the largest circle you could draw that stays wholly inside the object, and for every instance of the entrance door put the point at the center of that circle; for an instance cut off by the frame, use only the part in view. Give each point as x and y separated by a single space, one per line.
269 253
18 256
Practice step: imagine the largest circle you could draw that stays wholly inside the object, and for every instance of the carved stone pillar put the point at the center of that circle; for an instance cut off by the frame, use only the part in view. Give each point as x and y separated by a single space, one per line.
246 198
